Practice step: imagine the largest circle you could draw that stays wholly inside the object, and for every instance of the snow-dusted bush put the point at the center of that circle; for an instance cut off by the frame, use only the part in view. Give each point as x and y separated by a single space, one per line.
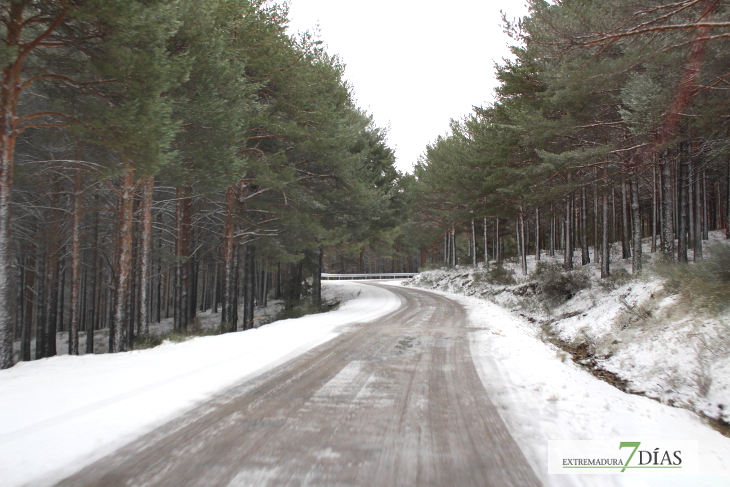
496 275
618 277
556 285
705 284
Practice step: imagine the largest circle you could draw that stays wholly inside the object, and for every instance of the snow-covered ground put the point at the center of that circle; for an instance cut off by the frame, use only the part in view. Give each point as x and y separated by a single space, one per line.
64 412
61 413
544 396
634 329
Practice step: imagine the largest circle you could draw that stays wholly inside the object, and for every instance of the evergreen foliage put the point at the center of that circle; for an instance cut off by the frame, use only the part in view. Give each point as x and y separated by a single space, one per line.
609 125
173 156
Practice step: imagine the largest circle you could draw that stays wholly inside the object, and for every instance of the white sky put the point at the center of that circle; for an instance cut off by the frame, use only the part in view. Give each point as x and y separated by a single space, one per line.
413 64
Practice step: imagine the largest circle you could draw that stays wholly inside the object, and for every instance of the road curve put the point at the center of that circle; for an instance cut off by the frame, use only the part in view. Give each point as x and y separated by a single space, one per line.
394 402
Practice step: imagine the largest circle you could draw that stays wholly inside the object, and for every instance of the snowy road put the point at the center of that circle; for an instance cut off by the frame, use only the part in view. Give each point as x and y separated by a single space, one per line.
396 401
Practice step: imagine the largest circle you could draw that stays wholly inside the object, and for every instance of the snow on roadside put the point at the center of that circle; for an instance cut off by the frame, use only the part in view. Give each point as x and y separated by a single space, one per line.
207 320
62 413
661 350
542 395
651 340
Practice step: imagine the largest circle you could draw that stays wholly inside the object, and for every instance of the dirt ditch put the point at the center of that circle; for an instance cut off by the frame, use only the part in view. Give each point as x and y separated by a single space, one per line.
582 355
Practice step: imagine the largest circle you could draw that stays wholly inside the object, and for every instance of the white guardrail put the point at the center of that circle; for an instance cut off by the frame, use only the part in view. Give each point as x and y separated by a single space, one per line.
383 275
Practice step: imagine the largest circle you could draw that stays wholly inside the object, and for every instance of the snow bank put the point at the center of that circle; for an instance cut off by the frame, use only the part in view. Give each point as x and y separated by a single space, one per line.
64 412
631 328
542 395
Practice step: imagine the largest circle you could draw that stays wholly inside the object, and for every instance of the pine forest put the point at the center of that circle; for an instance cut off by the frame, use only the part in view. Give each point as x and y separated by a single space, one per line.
610 125
165 157
162 158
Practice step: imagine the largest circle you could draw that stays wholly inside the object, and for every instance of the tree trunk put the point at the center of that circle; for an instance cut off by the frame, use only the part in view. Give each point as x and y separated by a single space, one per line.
486 245
317 278
62 296
132 297
27 331
95 284
73 330
605 254
667 207
453 246
522 242
182 249
498 242
83 301
52 302
193 271
20 304
264 287
568 258
21 36
691 213
552 230
109 307
214 289
6 317
277 281
596 210
697 215
126 205
660 208
148 187
168 280
636 216
237 270
473 243
11 89
299 278
537 234
705 208
95 305
447 247
204 292
249 292
605 249
227 320
40 296
683 200
518 239
614 221
625 226
159 272
727 201
654 207
585 255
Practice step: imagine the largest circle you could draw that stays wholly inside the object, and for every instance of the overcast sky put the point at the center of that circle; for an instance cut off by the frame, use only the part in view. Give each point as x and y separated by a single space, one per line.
413 64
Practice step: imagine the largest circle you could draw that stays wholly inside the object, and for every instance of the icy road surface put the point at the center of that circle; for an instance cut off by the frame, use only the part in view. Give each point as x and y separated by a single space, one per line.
395 401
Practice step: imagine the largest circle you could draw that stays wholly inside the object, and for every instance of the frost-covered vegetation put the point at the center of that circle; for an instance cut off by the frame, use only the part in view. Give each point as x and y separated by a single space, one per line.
664 333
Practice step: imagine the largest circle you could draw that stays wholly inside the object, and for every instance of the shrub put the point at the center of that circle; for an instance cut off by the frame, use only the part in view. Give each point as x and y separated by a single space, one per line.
142 342
303 307
618 277
500 275
705 284
194 329
556 285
